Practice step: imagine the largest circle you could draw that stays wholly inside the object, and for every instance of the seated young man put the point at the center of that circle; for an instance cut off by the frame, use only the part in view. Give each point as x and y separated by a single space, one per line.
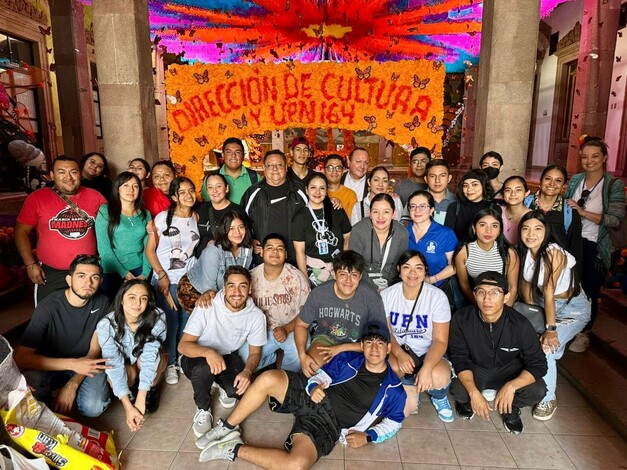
337 313
59 349
342 401
492 346
280 291
211 340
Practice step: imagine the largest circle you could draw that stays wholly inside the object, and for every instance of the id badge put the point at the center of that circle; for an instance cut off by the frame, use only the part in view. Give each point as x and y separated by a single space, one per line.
323 247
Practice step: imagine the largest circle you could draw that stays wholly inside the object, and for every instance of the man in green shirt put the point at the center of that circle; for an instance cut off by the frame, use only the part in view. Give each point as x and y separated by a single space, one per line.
237 175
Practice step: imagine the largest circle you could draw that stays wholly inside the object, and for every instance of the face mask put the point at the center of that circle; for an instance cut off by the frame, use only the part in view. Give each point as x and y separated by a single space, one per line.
492 172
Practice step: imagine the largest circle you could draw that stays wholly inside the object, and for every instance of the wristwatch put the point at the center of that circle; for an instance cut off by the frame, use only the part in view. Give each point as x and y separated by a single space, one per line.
550 327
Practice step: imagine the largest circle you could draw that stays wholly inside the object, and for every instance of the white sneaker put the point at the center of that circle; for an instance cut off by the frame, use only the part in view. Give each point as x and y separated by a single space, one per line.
203 422
225 400
580 343
172 375
215 434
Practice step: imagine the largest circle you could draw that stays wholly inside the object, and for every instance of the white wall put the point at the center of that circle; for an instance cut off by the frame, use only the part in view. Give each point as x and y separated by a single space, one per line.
617 105
562 19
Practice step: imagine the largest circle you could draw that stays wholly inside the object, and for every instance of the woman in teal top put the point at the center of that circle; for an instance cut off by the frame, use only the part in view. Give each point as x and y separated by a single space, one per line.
121 234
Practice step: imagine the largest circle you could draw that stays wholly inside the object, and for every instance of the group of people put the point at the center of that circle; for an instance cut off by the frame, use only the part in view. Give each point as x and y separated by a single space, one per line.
359 297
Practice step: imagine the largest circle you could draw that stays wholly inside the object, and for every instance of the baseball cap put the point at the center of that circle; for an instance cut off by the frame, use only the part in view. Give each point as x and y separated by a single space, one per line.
376 328
492 278
299 140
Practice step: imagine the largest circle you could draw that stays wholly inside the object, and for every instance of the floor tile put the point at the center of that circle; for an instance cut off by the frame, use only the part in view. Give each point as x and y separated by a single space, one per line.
592 452
425 446
147 459
602 425
567 395
620 444
386 451
481 448
428 466
161 434
361 465
122 434
332 465
189 461
537 451
189 442
338 453
427 418
176 403
572 420
475 424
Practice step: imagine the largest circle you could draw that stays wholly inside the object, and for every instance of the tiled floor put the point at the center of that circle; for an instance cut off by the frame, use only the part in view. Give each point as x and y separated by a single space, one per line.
576 438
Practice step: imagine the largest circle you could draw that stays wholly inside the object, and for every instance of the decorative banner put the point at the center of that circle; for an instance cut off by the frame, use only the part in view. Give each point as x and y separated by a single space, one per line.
401 101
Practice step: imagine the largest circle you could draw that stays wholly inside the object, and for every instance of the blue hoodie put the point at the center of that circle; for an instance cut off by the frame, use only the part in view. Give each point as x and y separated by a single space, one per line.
389 402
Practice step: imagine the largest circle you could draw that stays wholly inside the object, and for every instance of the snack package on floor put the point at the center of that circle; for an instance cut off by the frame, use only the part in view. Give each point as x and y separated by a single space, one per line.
63 442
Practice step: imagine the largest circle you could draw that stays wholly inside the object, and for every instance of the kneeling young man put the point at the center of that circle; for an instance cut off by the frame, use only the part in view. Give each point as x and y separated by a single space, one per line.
493 347
342 401
211 340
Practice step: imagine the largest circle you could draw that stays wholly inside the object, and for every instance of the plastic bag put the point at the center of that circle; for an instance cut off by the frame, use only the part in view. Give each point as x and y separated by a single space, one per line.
10 459
63 442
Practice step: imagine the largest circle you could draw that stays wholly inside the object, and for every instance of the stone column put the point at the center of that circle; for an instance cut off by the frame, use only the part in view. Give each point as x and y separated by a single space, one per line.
505 81
599 26
73 75
127 92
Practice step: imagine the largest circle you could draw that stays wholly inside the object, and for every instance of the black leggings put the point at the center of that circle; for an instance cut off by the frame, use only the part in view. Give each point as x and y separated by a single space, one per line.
592 278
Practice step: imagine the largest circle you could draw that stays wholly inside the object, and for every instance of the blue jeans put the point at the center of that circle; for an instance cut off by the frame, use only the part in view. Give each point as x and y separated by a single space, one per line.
175 320
290 362
92 397
571 317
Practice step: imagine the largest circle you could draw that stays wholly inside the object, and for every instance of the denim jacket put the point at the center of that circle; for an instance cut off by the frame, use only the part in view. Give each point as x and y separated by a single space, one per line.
208 272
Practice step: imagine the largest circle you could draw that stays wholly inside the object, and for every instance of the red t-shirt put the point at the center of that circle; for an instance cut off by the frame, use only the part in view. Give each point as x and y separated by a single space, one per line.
61 233
155 201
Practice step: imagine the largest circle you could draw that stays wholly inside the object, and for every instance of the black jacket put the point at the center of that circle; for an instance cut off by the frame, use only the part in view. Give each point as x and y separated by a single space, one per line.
492 346
256 204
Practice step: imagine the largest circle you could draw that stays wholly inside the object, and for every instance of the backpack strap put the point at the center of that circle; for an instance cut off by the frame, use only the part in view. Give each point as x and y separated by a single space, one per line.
252 174
568 216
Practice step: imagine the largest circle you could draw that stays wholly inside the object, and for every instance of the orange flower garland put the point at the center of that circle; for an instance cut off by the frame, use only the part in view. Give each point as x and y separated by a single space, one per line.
401 101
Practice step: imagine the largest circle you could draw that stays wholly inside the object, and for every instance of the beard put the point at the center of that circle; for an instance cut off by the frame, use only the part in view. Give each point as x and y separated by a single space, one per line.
83 296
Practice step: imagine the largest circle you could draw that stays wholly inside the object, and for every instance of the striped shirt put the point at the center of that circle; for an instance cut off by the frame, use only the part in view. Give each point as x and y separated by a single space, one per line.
480 261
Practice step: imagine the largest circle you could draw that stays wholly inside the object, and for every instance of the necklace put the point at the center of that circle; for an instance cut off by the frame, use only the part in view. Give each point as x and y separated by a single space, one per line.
130 219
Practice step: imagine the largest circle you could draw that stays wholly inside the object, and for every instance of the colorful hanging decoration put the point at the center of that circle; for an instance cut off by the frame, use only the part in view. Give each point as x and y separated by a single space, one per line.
401 101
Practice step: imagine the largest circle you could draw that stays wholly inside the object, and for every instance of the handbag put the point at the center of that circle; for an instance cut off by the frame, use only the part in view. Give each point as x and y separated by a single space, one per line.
534 314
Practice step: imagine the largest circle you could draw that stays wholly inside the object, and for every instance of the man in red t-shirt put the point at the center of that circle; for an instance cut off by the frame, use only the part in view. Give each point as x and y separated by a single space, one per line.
64 230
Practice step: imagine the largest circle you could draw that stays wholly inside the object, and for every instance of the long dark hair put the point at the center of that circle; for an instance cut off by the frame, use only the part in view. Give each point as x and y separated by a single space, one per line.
115 204
105 170
502 244
543 256
222 232
404 258
476 174
327 206
147 320
174 192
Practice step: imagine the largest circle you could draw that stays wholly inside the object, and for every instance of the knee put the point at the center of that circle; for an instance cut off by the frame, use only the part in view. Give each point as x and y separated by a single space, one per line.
442 375
536 391
92 407
299 462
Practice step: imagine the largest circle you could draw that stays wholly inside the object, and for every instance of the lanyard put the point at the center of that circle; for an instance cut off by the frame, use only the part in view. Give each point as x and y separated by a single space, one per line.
386 249
411 314
318 224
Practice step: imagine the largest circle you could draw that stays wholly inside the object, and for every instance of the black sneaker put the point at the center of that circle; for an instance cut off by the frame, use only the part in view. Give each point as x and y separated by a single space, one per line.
512 421
464 410
152 400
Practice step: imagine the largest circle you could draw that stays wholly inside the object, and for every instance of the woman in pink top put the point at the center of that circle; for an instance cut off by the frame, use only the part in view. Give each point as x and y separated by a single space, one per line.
514 191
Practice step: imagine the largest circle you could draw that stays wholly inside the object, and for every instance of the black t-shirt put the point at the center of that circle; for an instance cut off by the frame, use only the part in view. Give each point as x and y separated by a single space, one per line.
352 399
57 329
304 229
277 197
208 220
459 215
100 184
294 177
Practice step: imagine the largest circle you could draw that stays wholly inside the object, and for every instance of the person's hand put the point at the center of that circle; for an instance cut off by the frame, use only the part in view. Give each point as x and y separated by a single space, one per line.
405 363
215 361
504 399
140 401
318 394
356 439
480 405
150 227
206 298
163 284
242 381
424 379
89 366
141 276
336 203
65 399
280 334
134 418
328 352
257 249
550 341
36 274
129 276
309 365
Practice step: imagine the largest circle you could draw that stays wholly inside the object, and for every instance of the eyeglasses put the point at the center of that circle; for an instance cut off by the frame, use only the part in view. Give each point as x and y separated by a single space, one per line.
334 168
418 207
584 196
276 167
492 294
